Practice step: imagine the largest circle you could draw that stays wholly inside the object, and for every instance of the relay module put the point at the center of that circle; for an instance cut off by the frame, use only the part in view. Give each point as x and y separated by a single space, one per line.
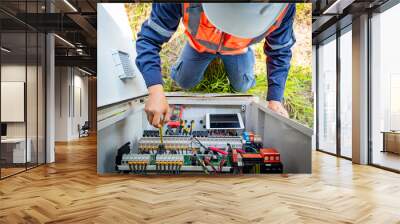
211 143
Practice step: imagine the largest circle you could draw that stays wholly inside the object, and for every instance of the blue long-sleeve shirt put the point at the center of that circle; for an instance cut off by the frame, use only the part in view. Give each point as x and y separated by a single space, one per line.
164 21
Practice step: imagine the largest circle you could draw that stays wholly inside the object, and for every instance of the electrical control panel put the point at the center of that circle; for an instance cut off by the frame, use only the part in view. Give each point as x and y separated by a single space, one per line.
198 141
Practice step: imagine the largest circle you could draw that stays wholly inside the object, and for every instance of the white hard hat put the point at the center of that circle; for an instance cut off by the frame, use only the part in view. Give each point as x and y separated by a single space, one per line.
245 20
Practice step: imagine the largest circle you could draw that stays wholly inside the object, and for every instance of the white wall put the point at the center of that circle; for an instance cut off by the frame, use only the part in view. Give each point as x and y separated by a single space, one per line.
33 126
12 73
71 102
61 103
80 110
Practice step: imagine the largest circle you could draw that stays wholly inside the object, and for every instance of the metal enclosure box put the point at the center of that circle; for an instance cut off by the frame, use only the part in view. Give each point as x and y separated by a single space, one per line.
125 122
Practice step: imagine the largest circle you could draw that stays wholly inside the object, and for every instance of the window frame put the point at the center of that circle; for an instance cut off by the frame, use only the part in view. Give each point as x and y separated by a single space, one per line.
379 10
334 37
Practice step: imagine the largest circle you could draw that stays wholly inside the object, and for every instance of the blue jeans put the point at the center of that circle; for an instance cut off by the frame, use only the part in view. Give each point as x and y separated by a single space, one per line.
191 65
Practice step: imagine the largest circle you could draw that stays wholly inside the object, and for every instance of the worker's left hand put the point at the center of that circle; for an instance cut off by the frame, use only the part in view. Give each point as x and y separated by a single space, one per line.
278 107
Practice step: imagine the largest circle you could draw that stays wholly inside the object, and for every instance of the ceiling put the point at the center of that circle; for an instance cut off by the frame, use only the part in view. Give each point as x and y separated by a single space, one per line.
74 22
328 16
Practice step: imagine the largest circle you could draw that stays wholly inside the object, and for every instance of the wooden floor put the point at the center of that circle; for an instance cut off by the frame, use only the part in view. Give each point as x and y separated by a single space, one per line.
5 172
70 191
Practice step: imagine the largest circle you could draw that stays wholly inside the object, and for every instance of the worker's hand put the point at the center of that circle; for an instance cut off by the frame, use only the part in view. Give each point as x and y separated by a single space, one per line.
157 108
277 107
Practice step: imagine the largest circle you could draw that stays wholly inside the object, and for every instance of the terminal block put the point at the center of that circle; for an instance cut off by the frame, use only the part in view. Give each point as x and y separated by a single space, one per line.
169 163
137 163
178 144
186 144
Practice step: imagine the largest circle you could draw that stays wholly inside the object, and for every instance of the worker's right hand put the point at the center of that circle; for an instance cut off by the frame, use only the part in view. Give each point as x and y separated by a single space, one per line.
157 108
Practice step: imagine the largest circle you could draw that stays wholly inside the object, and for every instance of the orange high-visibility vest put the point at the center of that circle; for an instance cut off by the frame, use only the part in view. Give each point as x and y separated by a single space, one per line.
205 37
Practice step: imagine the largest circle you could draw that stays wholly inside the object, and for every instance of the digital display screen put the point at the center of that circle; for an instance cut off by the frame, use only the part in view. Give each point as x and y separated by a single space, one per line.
227 121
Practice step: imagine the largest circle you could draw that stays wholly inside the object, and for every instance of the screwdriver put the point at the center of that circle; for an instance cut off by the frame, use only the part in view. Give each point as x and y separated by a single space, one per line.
161 135
161 146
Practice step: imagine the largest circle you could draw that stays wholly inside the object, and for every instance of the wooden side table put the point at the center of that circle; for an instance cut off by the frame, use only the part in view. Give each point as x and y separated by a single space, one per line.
391 141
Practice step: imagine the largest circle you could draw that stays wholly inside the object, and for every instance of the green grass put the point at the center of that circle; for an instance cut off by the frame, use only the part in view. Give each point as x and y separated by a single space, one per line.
215 79
298 95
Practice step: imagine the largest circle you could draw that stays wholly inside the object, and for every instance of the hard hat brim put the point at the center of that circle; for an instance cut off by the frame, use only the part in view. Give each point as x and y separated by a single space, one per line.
244 20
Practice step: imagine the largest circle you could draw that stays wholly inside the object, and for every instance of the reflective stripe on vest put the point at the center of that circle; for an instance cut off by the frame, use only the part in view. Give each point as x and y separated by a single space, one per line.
194 11
205 37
